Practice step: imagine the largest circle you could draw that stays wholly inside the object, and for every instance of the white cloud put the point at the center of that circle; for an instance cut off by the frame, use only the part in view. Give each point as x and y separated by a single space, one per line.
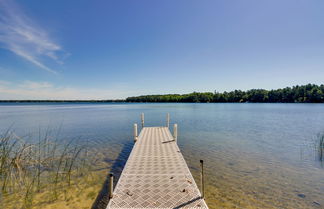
4 83
35 85
46 90
20 35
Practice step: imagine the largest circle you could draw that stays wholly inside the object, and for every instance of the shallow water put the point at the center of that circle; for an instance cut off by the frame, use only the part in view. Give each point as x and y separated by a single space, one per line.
256 155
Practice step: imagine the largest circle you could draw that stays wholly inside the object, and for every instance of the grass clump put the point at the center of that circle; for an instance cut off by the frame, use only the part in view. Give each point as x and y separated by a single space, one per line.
47 166
320 147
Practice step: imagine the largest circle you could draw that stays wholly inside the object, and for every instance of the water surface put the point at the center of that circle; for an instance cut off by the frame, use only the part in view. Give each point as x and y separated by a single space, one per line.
256 155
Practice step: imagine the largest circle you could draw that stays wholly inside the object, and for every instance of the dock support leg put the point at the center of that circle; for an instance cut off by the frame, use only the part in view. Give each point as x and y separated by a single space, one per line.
168 120
142 119
135 132
175 132
111 185
202 180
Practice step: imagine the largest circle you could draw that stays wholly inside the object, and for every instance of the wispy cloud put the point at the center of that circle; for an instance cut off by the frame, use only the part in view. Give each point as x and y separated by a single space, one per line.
46 90
4 83
21 35
35 85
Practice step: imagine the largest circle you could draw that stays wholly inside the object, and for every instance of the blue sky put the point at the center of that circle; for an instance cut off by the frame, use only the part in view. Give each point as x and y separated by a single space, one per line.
113 49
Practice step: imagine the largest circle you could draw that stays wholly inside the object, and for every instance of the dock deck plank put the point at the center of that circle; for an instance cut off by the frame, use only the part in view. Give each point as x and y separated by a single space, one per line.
156 175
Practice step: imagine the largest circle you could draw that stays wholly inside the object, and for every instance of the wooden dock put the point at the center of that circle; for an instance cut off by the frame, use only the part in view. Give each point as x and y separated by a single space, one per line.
156 175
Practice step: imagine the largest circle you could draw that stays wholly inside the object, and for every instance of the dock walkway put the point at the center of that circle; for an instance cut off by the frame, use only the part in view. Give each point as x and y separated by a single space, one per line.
156 175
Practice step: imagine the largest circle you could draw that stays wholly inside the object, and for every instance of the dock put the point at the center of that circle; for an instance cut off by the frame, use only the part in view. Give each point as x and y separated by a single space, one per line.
156 175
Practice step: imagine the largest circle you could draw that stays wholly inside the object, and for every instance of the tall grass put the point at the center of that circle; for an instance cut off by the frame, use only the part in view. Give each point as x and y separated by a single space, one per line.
48 164
320 147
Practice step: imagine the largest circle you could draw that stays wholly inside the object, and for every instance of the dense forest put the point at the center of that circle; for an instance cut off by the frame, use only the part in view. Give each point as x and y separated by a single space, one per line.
309 93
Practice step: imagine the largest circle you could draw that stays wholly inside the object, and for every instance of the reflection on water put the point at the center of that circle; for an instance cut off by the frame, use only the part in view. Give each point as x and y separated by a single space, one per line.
256 155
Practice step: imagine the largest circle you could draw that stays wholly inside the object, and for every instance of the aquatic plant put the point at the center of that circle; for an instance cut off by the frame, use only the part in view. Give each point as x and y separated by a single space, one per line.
320 147
29 168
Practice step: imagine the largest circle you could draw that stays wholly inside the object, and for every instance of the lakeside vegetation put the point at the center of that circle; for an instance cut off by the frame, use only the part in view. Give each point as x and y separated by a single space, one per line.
309 93
49 172
320 147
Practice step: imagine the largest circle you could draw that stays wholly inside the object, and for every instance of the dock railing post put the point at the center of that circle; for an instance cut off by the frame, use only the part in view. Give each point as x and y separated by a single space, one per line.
135 132
142 119
202 180
111 185
168 120
175 132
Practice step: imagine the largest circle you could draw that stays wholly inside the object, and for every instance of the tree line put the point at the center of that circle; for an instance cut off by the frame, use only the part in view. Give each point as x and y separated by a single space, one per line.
309 93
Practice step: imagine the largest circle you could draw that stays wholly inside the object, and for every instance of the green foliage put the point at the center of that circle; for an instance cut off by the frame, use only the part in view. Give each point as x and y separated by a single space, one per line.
28 168
309 93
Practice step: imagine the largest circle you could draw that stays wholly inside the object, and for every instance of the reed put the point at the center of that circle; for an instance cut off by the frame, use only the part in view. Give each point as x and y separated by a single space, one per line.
30 168
320 147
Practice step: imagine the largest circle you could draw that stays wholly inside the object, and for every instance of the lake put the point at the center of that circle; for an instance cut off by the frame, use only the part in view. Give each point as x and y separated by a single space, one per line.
256 155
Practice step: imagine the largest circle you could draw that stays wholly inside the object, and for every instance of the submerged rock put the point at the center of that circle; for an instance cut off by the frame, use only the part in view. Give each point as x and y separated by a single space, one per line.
301 195
316 203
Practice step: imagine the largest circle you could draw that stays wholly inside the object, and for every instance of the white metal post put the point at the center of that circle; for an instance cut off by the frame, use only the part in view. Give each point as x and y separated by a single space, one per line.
135 132
175 132
168 120
142 119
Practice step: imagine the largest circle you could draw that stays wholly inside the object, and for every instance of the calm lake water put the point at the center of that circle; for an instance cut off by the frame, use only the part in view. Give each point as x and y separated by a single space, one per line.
256 155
